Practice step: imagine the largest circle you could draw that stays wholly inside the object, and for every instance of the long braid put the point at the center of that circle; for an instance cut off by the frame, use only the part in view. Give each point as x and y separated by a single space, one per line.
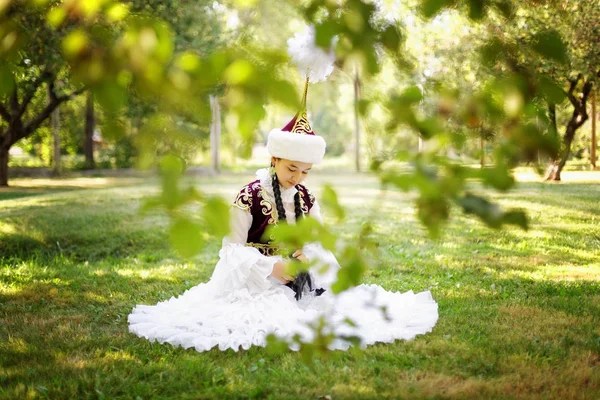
278 202
298 209
303 278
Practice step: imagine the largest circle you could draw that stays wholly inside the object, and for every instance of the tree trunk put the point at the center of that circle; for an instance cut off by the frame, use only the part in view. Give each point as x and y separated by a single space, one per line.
215 133
593 144
55 124
578 118
557 166
356 121
3 166
482 147
90 124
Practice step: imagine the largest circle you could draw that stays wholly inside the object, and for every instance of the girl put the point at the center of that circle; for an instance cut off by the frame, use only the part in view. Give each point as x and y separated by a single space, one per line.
251 294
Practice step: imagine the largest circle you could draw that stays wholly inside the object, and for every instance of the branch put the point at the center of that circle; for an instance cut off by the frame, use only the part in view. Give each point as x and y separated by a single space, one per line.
4 113
44 76
45 113
570 95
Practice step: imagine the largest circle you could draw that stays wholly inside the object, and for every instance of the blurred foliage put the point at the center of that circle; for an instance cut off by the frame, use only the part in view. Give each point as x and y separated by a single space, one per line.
507 69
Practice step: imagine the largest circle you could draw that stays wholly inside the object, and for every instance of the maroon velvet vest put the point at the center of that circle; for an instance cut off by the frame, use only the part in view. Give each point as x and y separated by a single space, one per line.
253 198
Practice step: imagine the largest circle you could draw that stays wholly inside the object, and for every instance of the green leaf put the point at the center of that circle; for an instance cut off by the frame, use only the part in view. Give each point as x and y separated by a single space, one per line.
171 165
245 3
7 80
505 7
285 93
412 95
402 181
551 90
56 16
74 43
117 12
330 201
498 177
351 271
239 72
275 345
110 95
363 106
391 38
433 212
150 204
550 45
171 170
324 33
188 62
216 216
490 213
477 9
428 128
430 8
186 237
516 217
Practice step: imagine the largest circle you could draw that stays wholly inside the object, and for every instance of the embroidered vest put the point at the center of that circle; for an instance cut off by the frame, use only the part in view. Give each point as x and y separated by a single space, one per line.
253 198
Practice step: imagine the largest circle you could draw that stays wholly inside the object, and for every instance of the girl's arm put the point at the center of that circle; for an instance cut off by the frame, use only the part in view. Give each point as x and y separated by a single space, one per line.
243 266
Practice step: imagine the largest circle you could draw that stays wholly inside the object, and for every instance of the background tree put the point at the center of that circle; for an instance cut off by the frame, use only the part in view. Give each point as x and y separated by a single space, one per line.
29 59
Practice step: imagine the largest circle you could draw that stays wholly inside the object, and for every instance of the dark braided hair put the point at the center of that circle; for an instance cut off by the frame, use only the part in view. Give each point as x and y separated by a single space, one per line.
279 202
303 278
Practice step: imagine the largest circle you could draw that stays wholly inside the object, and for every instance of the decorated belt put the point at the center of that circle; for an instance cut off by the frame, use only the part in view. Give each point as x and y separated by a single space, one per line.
265 249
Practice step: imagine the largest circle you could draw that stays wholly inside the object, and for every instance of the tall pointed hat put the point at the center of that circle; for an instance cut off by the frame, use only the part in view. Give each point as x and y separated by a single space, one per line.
296 141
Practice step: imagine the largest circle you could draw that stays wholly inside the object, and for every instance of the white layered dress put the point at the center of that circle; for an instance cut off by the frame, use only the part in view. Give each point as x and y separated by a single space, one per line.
242 303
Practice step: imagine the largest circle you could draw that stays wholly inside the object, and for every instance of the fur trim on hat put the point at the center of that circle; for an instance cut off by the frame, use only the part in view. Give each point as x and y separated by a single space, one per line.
296 147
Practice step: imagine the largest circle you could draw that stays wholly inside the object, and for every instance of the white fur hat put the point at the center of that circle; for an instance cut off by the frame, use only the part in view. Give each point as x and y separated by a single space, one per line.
297 142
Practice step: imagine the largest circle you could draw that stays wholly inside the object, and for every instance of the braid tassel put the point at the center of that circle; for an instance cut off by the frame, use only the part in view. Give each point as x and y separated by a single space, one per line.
303 279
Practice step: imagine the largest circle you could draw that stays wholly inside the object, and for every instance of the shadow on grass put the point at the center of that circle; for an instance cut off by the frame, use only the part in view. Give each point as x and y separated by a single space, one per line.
18 192
77 345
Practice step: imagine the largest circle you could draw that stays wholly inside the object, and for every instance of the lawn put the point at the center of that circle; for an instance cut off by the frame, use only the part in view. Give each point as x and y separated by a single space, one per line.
519 311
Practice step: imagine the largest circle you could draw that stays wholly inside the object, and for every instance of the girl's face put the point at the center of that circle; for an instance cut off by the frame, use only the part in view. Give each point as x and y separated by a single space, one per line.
290 173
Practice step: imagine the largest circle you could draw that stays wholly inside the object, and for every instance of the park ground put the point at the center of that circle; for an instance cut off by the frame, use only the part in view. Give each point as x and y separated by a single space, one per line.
519 310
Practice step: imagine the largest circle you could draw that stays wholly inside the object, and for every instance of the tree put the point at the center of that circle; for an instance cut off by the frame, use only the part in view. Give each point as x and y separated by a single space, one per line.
555 43
23 71
88 137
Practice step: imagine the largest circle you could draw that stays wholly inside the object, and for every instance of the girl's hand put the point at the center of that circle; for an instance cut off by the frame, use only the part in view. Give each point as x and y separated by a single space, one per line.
279 272
299 255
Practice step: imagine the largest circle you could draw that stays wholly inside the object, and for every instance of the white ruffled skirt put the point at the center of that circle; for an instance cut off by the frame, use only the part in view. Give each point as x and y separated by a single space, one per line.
204 317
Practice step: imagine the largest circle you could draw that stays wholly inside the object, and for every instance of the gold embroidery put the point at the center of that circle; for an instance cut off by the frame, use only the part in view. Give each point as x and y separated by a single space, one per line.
267 208
265 249
243 200
302 126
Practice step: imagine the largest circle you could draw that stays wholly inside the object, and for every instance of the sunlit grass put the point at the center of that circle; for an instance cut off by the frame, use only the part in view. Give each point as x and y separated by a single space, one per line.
519 310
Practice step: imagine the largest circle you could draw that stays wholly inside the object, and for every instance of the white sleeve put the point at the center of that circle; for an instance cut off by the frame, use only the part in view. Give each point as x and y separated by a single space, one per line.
315 212
241 266
325 265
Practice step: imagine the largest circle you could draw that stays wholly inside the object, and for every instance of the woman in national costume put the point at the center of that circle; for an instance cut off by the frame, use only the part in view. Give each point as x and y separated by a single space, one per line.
251 295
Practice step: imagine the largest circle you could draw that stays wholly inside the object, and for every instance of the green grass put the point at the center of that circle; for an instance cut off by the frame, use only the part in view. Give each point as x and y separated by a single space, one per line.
519 311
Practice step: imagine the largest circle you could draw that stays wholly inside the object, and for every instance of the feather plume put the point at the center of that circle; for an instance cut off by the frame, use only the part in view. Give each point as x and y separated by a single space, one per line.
312 61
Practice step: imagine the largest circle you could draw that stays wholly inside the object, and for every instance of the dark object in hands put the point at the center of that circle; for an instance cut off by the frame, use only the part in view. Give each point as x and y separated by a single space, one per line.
302 280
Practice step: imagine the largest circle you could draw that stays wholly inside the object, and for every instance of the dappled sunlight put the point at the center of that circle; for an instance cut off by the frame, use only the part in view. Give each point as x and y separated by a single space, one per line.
75 296
77 182
7 229
560 273
529 175
164 270
95 298
73 362
16 345
352 390
529 322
